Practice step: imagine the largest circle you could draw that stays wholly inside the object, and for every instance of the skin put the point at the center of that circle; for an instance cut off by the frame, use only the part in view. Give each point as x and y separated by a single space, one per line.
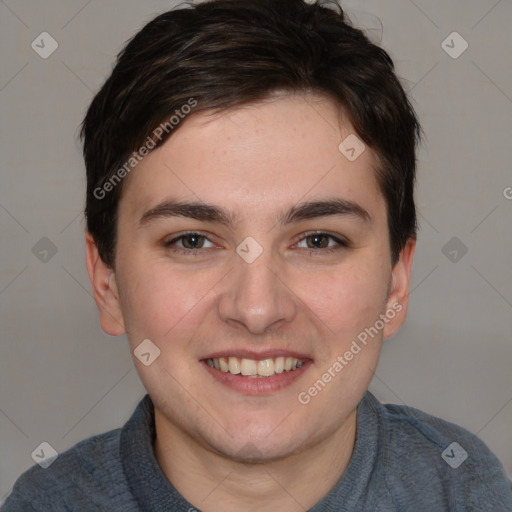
255 161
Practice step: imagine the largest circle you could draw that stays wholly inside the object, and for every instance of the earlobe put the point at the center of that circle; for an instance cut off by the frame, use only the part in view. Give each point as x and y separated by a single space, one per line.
105 290
398 297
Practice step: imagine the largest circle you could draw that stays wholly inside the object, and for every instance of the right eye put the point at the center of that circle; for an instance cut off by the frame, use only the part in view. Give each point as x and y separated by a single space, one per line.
191 242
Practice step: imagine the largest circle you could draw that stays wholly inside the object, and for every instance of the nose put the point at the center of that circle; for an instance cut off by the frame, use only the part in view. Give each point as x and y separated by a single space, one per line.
257 296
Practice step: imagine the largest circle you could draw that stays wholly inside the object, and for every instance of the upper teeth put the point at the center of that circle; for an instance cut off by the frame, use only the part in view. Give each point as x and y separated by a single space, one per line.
263 368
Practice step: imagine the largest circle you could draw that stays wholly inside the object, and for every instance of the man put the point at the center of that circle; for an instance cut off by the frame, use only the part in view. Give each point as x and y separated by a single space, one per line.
251 228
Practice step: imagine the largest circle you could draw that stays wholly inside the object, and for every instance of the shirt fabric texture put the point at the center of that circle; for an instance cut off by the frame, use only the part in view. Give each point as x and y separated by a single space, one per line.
396 466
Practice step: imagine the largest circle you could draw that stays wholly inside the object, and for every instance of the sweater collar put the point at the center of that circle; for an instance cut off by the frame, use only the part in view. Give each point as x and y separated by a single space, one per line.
148 483
154 493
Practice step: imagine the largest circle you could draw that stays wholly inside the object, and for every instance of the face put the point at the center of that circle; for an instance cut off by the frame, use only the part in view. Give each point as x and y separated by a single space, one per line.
281 260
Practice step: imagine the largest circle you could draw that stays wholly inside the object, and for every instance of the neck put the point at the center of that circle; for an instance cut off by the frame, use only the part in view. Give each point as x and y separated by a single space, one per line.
214 483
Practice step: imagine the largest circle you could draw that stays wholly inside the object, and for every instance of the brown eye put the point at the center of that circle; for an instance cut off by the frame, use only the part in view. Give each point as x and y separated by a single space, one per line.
188 242
318 241
193 241
322 242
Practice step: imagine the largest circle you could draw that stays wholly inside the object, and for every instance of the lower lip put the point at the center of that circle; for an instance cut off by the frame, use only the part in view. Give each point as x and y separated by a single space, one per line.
256 385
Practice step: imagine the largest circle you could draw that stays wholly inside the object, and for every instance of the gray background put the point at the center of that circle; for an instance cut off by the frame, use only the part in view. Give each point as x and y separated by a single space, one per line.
62 379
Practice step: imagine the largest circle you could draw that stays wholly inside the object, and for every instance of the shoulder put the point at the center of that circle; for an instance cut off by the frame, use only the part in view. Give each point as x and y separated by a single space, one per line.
83 477
428 456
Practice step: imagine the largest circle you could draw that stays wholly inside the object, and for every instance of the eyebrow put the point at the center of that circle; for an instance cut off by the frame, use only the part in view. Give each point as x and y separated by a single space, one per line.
212 213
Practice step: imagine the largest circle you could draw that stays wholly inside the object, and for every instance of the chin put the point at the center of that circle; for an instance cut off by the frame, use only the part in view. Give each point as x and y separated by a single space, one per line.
266 443
258 451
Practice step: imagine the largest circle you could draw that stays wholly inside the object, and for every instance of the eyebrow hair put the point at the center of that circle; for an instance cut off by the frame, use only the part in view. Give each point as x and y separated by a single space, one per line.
211 213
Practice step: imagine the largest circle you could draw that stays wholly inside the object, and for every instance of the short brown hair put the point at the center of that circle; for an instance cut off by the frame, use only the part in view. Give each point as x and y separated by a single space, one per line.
227 53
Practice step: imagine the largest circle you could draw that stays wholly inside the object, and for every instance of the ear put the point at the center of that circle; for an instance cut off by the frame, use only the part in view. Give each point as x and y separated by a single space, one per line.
104 286
398 297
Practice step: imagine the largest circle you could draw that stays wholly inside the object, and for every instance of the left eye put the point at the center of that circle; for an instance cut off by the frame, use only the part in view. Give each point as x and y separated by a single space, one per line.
321 241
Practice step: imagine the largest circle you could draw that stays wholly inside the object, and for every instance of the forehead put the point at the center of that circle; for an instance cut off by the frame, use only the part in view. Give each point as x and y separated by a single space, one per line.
259 156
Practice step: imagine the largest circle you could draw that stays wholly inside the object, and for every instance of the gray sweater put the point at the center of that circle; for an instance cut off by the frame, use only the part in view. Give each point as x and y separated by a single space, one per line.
403 460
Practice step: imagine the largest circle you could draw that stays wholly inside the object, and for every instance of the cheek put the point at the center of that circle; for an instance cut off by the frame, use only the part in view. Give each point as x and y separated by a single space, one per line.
161 301
347 300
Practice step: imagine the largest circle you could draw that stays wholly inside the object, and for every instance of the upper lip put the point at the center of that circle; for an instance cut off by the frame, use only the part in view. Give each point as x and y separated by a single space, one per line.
257 356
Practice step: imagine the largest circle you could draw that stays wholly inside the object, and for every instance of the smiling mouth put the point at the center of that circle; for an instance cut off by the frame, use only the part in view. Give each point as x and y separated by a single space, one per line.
253 368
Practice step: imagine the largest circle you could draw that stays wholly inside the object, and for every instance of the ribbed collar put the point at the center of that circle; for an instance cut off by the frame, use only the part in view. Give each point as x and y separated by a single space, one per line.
148 483
363 482
154 493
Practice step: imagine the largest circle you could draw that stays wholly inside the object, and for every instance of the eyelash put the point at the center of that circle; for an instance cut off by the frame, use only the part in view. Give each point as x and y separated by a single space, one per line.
342 244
